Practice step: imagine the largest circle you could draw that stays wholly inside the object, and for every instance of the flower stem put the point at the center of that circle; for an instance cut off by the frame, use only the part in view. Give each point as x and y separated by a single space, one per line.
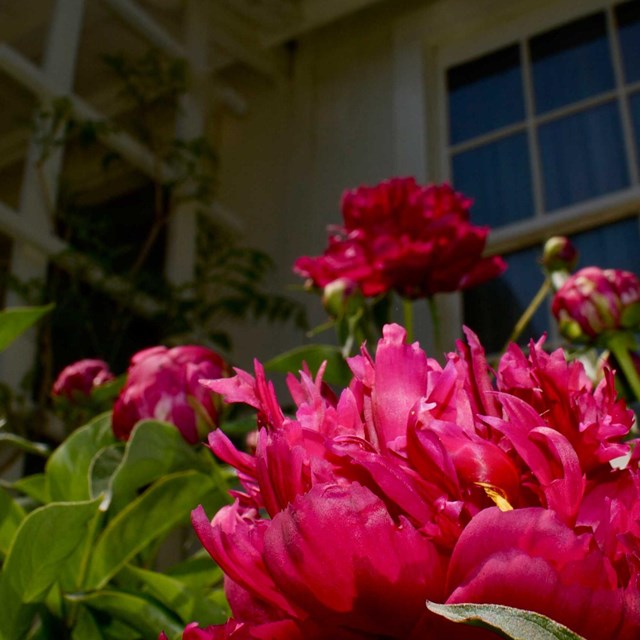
618 345
437 326
407 310
525 318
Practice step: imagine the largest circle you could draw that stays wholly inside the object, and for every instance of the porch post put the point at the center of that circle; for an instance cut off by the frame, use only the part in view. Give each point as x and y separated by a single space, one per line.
39 188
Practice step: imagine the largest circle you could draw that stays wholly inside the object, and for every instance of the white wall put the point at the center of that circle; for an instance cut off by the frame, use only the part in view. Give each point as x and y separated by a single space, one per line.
284 166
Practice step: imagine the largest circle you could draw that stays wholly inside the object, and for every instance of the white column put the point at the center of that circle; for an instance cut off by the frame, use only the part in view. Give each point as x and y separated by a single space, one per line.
39 188
182 230
411 148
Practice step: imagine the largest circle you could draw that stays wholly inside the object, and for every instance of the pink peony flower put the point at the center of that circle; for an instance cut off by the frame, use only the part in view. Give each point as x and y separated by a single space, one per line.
81 378
406 237
530 559
421 481
162 384
219 632
594 301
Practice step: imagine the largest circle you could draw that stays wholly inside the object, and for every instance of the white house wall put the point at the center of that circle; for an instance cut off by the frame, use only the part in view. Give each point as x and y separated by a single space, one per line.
285 164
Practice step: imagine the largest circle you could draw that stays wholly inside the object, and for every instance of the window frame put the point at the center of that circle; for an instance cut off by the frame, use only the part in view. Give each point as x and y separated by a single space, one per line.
472 38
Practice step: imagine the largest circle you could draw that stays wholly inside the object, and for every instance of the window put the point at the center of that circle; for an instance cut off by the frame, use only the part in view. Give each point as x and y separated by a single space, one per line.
544 134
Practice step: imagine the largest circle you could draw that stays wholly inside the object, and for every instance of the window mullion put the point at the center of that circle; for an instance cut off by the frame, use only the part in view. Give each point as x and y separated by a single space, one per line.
486 138
534 154
622 94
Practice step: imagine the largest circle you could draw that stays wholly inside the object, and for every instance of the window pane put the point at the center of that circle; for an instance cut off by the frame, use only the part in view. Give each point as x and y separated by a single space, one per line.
485 94
614 246
582 156
498 177
628 19
571 63
493 309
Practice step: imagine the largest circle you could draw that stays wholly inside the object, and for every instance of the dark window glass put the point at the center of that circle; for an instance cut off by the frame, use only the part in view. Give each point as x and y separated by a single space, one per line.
492 309
634 105
614 246
582 156
498 178
571 63
628 19
485 94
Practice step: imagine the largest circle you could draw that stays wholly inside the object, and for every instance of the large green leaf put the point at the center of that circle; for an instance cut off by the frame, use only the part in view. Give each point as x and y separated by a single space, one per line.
45 541
337 371
117 630
103 466
34 486
11 515
143 614
155 449
516 624
15 321
16 616
189 603
68 468
164 505
197 571
86 627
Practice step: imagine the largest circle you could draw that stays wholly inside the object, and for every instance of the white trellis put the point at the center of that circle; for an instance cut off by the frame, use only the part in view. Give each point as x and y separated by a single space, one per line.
212 34
30 226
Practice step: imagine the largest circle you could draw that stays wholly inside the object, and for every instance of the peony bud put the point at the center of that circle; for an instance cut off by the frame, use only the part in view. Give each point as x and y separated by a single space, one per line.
335 296
559 254
164 384
594 301
81 378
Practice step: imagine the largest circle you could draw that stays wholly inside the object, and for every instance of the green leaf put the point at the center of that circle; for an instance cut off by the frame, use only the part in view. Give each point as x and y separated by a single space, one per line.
103 466
240 427
337 371
11 515
167 503
189 604
516 624
45 541
117 630
34 486
197 571
139 612
68 467
17 617
36 448
15 321
170 592
86 627
155 449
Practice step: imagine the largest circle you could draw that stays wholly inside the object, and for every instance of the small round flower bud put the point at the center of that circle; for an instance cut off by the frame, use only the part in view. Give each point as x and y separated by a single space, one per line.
335 296
559 254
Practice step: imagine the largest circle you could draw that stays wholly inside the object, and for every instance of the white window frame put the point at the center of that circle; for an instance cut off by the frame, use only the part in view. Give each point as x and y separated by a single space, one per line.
471 39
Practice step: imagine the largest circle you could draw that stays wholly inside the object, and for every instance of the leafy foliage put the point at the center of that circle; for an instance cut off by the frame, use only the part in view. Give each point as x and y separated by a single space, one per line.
83 563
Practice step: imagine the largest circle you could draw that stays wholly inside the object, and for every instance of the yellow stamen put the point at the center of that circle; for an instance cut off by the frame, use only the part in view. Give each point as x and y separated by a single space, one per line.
496 494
